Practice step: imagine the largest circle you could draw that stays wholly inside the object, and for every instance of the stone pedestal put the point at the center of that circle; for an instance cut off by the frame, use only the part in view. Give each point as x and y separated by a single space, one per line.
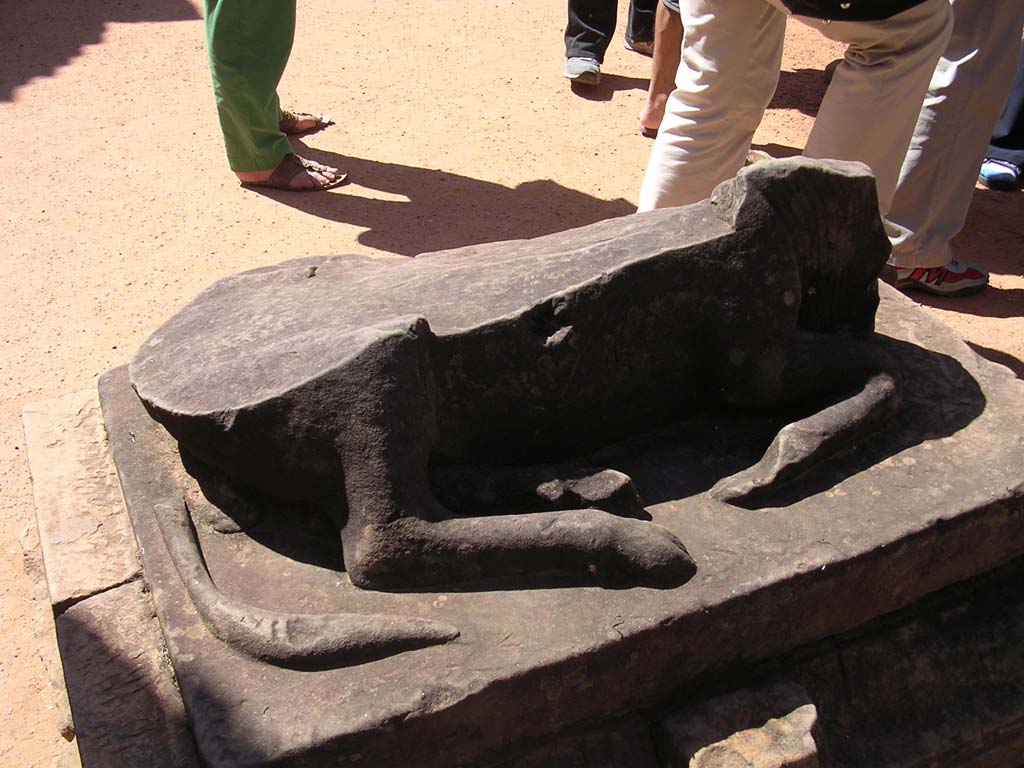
935 499
112 666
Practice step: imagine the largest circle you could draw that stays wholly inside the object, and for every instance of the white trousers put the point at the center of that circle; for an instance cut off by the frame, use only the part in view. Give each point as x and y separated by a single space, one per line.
731 53
963 102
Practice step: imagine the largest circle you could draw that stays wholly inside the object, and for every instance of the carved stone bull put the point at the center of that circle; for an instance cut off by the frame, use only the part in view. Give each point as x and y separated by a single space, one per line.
343 380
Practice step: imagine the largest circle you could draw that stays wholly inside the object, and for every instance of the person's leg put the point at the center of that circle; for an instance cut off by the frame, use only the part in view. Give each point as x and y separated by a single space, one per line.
640 27
1003 168
248 43
728 71
590 28
871 105
1007 141
668 40
967 90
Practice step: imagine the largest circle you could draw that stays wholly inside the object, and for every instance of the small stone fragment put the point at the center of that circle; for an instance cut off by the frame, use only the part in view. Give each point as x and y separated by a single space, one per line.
771 727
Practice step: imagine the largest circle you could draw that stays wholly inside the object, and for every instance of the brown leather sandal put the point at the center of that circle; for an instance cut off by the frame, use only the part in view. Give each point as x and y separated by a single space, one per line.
292 165
290 122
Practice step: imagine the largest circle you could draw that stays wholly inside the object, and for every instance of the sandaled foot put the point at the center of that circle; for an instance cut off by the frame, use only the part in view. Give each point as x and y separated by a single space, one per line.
295 174
294 123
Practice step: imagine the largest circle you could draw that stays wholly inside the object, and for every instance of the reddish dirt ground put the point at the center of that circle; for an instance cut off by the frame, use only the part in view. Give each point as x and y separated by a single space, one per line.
456 128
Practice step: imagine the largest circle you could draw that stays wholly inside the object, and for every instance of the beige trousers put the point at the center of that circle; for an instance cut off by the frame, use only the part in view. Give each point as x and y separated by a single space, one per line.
964 100
731 53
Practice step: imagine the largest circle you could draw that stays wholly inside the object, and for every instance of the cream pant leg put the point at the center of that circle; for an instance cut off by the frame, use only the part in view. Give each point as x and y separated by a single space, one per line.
963 102
729 68
727 74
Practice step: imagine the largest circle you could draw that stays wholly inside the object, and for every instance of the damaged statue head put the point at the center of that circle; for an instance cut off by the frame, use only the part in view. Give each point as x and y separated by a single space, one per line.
354 383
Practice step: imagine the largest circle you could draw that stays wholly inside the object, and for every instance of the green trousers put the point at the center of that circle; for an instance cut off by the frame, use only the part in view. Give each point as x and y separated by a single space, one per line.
248 43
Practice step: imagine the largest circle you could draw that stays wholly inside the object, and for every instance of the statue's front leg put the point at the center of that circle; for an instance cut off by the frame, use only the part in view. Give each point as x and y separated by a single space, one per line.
399 536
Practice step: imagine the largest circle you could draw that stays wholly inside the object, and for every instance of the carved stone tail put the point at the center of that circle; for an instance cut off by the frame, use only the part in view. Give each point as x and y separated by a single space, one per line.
301 641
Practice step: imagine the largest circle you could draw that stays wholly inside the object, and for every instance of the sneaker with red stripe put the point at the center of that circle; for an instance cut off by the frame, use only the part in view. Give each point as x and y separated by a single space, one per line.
954 279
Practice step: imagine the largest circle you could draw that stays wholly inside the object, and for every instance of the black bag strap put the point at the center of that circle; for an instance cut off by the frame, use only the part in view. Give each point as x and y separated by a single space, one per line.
850 10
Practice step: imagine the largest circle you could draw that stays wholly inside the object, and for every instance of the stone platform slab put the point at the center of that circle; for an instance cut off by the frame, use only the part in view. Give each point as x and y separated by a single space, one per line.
936 499
112 667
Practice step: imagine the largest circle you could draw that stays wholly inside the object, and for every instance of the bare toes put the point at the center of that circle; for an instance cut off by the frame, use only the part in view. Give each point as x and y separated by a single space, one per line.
324 170
318 179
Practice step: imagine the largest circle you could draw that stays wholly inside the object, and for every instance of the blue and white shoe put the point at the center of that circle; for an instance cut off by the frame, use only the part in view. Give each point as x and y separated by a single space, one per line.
999 174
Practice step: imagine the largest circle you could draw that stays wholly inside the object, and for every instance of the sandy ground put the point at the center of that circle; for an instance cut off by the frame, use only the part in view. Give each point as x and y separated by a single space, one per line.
455 125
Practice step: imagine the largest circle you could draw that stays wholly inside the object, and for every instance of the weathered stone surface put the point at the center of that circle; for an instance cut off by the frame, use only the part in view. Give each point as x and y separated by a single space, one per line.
46 639
621 744
888 524
774 726
84 532
127 710
120 701
940 685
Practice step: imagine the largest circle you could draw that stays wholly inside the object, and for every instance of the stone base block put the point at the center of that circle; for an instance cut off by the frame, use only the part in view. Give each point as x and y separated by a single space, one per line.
771 727
125 708
833 591
935 498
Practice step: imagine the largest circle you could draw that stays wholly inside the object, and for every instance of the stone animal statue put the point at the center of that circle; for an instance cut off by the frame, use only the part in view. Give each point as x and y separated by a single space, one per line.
345 380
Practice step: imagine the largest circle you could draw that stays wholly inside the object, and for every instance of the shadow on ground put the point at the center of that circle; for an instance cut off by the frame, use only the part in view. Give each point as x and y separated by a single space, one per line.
425 209
605 90
802 90
992 236
38 37
778 151
997 356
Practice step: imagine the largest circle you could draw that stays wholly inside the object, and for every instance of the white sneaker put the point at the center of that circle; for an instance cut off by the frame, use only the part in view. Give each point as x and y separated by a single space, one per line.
583 70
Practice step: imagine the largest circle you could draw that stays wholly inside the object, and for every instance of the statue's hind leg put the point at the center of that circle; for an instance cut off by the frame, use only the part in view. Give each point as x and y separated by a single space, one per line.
399 536
818 366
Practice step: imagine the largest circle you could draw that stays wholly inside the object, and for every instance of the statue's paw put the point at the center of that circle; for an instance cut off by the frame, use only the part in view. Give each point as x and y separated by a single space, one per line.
733 489
650 555
748 489
608 490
